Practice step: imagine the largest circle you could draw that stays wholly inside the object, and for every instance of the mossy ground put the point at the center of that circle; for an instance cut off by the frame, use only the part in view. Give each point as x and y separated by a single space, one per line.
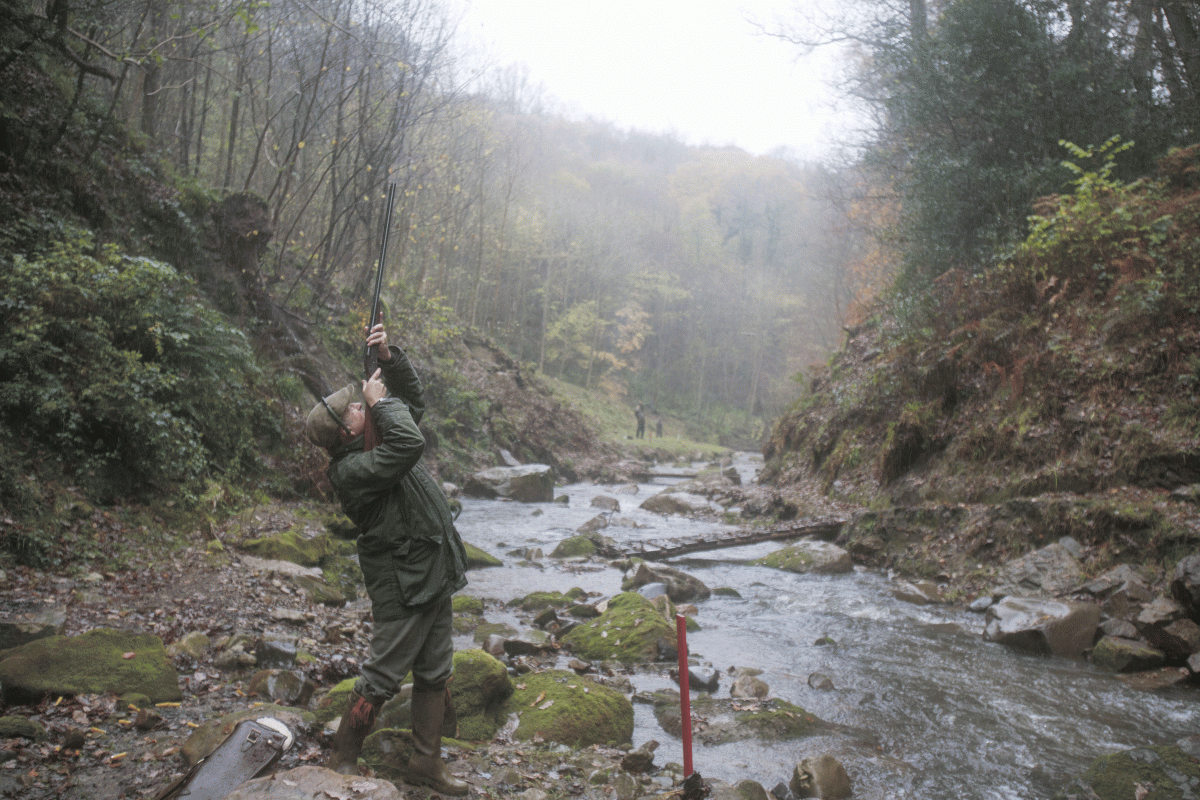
559 706
628 631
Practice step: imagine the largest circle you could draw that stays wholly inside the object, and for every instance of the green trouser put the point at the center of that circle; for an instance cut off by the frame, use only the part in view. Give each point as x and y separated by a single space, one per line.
421 643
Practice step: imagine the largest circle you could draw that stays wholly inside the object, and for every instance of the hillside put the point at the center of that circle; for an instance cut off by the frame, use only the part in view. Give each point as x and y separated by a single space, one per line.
1054 394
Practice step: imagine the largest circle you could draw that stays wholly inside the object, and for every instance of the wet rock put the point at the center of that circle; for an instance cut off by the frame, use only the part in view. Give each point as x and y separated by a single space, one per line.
822 777
703 679
1185 585
274 651
192 644
318 592
1043 627
981 604
820 681
314 783
95 662
559 706
820 558
919 593
629 630
546 618
531 483
283 686
526 645
641 760
652 590
494 645
1128 600
1126 655
1051 570
681 587
748 687
1104 585
1119 627
751 790
669 502
606 503
480 559
1165 625
578 546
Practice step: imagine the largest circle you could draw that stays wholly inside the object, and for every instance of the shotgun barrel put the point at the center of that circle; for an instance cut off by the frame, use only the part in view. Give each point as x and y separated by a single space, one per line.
370 356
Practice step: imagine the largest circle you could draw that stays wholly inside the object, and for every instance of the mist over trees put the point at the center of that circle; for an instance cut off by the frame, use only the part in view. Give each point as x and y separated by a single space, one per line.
694 279
691 279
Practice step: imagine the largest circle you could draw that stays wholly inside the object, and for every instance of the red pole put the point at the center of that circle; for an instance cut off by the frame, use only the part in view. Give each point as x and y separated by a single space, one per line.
685 700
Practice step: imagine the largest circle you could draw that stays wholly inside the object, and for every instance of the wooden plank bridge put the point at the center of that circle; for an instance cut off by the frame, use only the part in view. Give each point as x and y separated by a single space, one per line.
659 549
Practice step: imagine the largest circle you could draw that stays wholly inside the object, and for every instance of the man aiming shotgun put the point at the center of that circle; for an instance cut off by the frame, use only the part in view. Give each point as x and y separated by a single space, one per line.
411 556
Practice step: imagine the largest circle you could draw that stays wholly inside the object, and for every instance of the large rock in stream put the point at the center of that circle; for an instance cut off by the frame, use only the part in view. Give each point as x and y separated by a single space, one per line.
680 586
630 630
531 483
820 558
95 662
1042 626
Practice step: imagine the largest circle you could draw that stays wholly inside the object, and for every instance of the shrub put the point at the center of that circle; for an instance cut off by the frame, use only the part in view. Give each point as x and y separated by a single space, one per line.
115 362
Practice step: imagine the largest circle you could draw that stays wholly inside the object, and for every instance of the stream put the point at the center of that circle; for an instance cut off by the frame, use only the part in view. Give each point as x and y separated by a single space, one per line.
947 716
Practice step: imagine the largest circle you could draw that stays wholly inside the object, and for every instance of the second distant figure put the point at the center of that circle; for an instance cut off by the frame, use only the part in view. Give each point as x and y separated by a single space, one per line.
641 421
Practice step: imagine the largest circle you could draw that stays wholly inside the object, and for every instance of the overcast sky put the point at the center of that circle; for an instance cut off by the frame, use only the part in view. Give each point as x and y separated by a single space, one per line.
697 69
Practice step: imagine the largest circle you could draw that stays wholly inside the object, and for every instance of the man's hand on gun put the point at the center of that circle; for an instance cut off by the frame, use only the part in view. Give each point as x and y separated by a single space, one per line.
372 388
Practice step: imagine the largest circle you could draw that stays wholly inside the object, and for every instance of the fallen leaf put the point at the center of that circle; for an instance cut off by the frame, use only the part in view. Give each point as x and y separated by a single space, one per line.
539 699
129 655
545 705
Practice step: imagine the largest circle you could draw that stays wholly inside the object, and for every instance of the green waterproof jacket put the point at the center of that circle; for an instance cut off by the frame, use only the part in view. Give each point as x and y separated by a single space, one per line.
411 555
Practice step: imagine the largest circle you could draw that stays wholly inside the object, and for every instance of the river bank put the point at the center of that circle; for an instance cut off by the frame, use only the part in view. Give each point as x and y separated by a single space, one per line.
891 658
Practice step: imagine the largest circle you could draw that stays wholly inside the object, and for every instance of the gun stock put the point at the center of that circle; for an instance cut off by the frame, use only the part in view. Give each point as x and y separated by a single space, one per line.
371 436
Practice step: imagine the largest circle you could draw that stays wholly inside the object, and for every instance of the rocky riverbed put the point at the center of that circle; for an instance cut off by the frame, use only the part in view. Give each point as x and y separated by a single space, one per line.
231 618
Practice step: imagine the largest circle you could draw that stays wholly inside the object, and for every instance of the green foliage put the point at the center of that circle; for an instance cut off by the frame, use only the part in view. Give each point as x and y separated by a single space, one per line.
569 342
134 384
979 106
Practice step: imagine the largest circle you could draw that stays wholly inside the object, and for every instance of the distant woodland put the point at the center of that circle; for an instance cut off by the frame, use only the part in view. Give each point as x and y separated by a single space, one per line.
693 279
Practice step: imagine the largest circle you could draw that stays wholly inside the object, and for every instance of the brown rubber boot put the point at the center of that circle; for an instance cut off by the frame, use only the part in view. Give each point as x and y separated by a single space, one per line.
357 722
426 767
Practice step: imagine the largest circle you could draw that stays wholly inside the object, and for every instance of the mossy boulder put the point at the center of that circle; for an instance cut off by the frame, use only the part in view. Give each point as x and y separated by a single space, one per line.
465 604
540 601
574 547
821 558
21 728
730 720
294 546
629 631
480 559
560 706
334 702
1168 769
343 573
480 688
91 663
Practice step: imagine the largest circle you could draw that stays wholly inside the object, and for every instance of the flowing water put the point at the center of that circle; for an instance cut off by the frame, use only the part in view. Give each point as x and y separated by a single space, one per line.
937 713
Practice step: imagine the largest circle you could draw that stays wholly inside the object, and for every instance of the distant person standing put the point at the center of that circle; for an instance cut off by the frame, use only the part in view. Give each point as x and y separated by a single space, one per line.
658 428
641 421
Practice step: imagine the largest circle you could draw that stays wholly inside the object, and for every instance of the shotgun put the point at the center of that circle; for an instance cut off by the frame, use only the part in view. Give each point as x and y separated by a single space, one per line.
370 356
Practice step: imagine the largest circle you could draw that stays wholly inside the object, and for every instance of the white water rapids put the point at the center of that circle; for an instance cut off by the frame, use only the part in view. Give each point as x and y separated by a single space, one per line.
947 715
